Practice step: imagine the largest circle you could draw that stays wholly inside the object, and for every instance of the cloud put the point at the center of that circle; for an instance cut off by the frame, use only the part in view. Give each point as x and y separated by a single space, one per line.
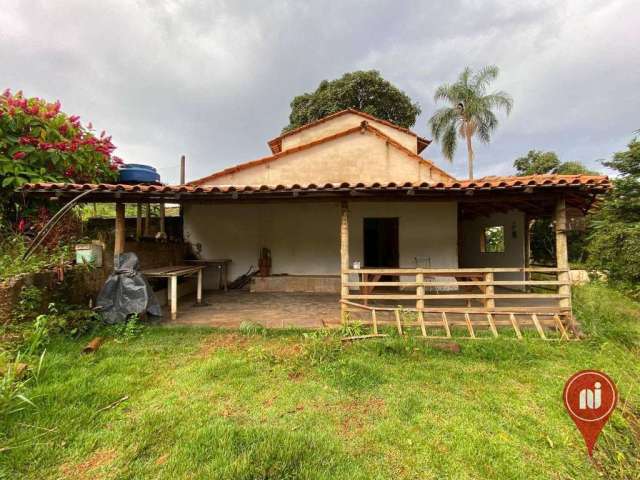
214 79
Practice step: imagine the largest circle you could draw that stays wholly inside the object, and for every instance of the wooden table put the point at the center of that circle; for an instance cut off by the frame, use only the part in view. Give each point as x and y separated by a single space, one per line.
172 273
223 268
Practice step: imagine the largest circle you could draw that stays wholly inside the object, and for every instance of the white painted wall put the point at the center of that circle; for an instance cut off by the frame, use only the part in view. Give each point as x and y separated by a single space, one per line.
304 237
514 254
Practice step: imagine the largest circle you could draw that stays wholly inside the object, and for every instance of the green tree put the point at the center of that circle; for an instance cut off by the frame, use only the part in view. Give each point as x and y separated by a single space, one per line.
366 91
470 111
614 244
537 162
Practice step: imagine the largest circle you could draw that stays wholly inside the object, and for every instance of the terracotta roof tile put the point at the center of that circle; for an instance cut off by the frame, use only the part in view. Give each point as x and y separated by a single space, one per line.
596 182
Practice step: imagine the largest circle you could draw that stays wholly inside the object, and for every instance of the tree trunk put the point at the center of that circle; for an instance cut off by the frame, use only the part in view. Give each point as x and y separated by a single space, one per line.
469 151
467 134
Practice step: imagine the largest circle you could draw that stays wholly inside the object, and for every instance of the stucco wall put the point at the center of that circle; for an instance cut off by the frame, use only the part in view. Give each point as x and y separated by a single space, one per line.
514 254
359 157
304 237
344 122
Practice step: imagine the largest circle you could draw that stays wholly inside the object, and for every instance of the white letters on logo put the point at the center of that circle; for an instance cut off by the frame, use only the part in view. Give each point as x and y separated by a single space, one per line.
591 399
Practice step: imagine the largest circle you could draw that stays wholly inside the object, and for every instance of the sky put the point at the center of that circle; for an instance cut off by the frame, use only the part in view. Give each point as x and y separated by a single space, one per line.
213 79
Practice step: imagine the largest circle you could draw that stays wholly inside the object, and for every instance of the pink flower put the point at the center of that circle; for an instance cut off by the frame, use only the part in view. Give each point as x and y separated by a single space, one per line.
19 155
21 225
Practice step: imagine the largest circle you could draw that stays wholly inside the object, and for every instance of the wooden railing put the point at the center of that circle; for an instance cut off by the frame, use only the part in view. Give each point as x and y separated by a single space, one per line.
470 296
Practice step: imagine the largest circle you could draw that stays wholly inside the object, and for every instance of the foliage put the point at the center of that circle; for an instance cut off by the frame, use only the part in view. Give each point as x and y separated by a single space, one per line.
13 247
29 303
13 386
537 162
128 330
614 244
38 142
366 91
470 111
38 336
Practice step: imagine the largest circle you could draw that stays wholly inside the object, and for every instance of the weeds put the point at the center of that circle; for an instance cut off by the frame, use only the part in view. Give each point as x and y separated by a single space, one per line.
13 386
131 329
252 328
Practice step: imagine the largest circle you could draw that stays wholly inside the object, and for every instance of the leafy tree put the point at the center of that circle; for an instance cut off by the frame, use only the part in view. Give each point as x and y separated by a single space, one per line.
537 162
470 111
40 143
614 245
366 91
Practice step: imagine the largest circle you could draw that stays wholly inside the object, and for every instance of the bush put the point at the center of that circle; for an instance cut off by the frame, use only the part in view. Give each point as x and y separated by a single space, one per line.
614 248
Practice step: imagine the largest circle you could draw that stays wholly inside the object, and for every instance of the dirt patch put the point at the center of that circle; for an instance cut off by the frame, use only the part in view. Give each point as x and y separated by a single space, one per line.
162 459
85 470
283 351
226 341
295 376
354 415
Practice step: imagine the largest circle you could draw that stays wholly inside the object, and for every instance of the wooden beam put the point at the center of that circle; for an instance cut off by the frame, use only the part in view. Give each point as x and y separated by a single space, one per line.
162 233
138 221
147 221
344 257
118 246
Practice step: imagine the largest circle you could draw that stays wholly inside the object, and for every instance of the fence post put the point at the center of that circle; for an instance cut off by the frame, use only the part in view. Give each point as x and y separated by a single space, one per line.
489 290
344 258
562 258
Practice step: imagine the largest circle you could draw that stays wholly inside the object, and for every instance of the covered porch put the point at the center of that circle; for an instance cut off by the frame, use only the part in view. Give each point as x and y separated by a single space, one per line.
435 282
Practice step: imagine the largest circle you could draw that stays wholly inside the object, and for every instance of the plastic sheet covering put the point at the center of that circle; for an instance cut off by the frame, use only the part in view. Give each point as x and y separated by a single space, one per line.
126 292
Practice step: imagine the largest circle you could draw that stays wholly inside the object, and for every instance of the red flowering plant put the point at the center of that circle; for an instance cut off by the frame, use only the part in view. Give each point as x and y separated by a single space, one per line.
40 143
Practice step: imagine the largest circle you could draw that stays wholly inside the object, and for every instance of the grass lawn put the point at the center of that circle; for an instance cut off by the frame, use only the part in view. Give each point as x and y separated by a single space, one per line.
206 403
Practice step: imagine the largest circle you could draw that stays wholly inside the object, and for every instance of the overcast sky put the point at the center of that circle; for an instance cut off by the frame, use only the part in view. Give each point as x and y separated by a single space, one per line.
213 79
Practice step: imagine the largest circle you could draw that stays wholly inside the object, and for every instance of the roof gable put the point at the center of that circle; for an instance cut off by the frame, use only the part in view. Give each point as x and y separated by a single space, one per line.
276 144
363 128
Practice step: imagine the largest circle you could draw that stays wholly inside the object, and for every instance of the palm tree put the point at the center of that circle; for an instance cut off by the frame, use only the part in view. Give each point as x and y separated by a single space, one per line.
470 111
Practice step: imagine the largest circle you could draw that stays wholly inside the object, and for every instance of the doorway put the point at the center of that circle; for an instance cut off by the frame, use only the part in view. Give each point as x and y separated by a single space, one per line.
381 245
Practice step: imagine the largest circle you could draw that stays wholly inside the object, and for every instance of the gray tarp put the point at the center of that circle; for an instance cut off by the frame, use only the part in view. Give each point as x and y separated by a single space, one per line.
126 291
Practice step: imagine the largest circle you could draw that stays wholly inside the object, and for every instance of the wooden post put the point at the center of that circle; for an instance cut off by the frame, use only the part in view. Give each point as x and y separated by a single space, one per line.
174 296
162 232
489 291
147 221
118 246
562 260
199 288
344 257
420 302
527 248
139 221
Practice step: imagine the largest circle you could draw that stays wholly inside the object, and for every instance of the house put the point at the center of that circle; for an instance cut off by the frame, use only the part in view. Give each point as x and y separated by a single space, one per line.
348 205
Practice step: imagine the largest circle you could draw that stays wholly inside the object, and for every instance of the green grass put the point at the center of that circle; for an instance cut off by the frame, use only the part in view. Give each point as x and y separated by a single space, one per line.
242 405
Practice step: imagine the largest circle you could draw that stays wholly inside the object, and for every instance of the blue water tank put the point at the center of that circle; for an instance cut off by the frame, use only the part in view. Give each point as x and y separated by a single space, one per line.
136 173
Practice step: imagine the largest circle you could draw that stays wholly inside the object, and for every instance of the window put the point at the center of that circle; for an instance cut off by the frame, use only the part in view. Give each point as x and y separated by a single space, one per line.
492 239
